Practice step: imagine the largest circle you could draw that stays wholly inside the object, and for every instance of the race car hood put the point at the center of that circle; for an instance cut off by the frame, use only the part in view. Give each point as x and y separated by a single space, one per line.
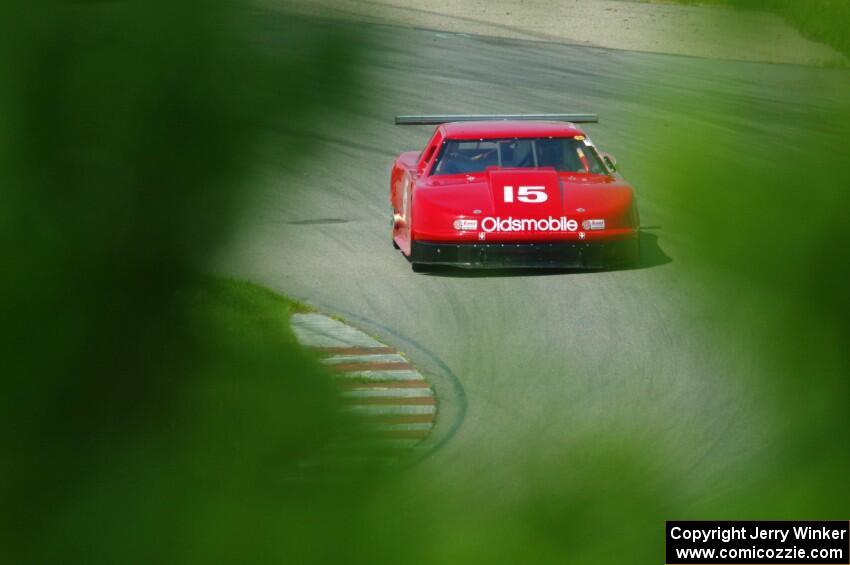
517 193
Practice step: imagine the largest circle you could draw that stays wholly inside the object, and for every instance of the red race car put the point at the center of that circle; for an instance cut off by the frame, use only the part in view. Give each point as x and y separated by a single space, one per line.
511 191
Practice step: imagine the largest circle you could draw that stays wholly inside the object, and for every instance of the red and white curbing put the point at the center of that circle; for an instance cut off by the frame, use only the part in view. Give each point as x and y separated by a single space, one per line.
378 383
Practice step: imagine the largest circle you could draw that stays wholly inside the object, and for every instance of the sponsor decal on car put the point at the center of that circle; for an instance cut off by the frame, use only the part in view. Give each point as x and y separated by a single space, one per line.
510 224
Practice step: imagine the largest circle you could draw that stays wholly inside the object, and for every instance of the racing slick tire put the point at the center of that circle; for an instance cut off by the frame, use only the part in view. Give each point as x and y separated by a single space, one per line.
392 228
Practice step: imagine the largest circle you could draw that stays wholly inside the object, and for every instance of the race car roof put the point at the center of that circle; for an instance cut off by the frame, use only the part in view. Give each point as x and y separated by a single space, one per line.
506 128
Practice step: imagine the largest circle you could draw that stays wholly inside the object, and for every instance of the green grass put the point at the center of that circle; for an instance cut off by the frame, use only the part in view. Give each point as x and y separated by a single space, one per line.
260 373
235 307
253 375
824 21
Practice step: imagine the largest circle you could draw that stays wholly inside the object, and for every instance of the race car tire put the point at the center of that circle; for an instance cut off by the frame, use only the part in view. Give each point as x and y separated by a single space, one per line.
420 267
392 228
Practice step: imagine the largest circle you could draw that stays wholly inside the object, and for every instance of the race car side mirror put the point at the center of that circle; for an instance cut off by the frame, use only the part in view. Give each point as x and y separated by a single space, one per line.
610 161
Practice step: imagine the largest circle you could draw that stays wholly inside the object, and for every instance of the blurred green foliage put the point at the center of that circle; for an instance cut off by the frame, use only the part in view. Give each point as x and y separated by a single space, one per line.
137 426
754 189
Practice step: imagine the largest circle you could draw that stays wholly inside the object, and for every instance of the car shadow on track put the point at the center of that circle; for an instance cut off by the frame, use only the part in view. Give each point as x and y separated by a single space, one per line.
651 255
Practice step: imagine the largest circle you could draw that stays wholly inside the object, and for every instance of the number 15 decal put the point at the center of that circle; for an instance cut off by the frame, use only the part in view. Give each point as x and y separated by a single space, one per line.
530 194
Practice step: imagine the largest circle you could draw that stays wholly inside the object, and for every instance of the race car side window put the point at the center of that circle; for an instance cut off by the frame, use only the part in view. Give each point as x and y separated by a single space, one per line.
426 156
428 153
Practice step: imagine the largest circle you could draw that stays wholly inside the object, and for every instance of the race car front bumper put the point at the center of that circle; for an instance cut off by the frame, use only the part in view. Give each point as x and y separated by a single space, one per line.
559 255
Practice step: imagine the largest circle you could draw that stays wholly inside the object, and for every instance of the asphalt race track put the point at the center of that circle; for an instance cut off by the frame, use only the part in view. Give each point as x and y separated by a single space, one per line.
547 358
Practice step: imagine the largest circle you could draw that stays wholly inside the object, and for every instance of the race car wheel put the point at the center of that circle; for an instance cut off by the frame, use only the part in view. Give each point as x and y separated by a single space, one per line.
392 228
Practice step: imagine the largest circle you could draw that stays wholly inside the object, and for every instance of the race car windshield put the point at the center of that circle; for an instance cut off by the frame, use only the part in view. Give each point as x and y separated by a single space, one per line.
567 154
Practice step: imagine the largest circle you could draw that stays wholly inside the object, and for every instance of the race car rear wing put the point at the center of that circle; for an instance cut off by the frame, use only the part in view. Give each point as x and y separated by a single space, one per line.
442 119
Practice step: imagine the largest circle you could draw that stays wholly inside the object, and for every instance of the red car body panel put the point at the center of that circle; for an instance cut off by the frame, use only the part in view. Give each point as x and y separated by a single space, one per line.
425 206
